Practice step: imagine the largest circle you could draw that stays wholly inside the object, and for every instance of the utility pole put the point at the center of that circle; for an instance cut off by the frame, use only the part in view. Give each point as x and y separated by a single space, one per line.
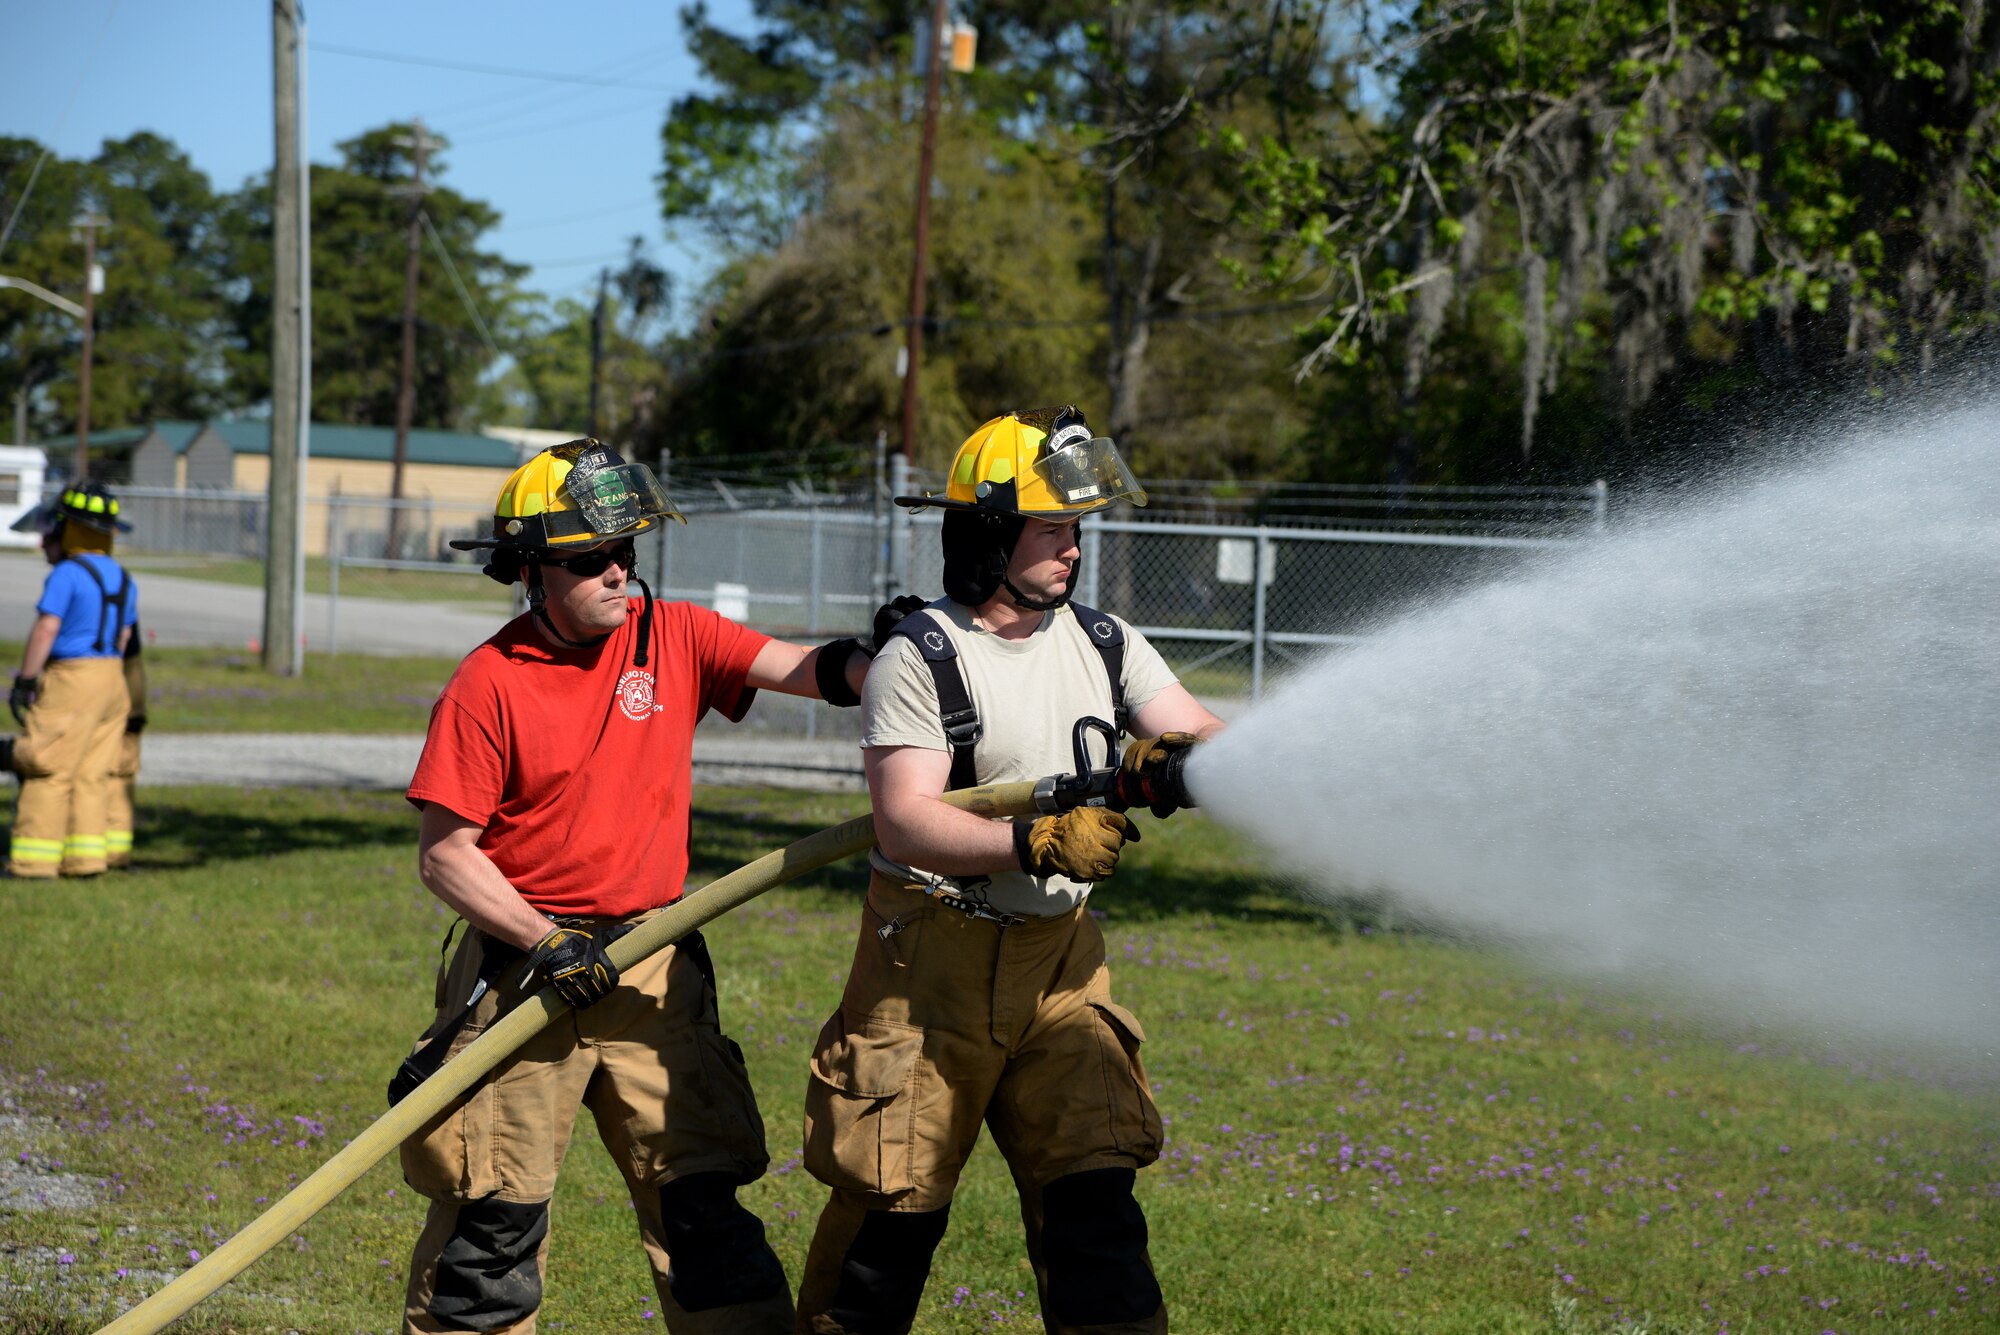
284 593
420 144
597 347
913 346
93 283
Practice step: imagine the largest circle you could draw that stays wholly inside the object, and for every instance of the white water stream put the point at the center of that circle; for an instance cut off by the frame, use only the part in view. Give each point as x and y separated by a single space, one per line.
1747 749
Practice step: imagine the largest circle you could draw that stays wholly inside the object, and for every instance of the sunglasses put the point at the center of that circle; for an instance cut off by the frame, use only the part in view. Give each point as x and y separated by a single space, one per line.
589 565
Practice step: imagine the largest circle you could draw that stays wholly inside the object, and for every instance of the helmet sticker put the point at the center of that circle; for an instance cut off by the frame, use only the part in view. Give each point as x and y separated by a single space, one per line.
1074 433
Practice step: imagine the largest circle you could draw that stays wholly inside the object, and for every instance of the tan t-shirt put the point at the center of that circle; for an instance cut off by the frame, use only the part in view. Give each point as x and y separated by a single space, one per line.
1029 693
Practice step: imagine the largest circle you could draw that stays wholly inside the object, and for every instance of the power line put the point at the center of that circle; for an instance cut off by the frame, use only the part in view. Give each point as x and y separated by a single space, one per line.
63 120
601 212
944 323
572 264
505 72
459 283
528 102
625 109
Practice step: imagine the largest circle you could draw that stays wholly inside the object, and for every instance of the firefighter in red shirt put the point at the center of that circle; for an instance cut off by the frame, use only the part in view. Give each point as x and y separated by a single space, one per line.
554 789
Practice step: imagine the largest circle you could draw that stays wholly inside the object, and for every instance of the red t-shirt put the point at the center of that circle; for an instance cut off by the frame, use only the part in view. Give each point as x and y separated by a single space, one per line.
578 763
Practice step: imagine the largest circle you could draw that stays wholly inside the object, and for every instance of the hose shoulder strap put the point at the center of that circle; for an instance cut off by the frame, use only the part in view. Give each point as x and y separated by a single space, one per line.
962 727
1108 638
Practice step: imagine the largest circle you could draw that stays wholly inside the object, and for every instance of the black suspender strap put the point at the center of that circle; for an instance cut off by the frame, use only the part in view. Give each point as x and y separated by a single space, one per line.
107 637
1108 638
962 728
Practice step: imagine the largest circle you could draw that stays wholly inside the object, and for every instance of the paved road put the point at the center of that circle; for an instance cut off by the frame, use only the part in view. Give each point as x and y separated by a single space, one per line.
201 613
385 760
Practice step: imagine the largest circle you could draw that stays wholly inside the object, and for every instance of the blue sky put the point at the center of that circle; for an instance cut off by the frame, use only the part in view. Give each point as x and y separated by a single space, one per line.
569 166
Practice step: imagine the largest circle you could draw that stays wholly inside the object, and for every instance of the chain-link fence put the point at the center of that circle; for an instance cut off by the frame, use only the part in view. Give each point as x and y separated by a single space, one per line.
1230 603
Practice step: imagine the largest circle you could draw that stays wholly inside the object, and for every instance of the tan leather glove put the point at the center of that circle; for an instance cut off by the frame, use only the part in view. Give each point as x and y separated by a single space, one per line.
1082 844
1145 758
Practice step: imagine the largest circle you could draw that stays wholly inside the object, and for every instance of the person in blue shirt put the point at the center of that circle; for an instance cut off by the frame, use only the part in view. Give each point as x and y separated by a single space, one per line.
70 696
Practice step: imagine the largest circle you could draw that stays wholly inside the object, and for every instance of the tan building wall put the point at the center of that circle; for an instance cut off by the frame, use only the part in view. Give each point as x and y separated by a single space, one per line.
459 500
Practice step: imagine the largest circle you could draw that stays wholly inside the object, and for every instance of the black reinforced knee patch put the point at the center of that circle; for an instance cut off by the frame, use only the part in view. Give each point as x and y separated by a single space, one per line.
716 1253
882 1279
1094 1245
488 1275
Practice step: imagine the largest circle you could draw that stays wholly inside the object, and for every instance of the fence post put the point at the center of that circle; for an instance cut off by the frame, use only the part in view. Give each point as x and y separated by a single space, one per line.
1257 622
1093 549
812 607
878 499
899 528
1600 504
334 543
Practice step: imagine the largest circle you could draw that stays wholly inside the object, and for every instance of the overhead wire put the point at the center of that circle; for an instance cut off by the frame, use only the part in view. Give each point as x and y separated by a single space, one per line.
464 296
61 121
603 210
624 109
946 323
623 65
470 67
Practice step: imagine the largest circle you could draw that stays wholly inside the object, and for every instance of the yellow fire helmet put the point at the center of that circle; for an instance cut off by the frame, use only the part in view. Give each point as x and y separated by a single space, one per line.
93 506
573 495
1044 463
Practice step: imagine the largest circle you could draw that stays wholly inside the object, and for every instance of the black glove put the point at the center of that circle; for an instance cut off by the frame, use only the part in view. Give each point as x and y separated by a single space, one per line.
1145 761
573 961
22 697
889 616
1082 844
135 724
830 668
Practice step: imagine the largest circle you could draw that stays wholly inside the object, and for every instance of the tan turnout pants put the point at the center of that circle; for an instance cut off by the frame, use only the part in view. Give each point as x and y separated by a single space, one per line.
118 814
948 1022
670 1097
65 756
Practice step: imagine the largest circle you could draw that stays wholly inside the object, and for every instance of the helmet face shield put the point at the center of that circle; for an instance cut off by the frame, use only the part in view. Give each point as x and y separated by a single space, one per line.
1086 470
608 502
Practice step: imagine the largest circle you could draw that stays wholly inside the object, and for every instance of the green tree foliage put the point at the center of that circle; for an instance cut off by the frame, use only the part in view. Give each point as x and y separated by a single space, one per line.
1702 208
361 214
1079 214
549 383
162 319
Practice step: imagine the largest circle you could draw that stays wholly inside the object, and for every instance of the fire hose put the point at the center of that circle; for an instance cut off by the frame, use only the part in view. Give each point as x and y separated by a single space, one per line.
1086 787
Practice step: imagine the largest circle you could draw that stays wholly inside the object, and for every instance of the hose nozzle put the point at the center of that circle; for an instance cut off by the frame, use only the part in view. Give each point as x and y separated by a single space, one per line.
1163 792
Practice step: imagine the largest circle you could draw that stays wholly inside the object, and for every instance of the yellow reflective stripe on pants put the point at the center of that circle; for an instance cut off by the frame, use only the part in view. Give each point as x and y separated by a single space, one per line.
64 756
36 850
118 841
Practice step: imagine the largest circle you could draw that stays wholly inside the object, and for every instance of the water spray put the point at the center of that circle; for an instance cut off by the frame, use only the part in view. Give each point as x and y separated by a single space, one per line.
1743 755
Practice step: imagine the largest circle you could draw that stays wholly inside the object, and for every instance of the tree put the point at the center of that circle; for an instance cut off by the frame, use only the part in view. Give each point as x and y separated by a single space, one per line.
1708 207
552 357
360 222
162 321
805 153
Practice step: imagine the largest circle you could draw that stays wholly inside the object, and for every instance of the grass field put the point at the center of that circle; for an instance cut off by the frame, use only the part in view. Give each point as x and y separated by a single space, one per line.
227 690
1368 1130
463 586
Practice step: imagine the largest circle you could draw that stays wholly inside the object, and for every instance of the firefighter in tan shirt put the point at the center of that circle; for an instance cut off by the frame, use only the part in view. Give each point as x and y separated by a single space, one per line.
979 992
